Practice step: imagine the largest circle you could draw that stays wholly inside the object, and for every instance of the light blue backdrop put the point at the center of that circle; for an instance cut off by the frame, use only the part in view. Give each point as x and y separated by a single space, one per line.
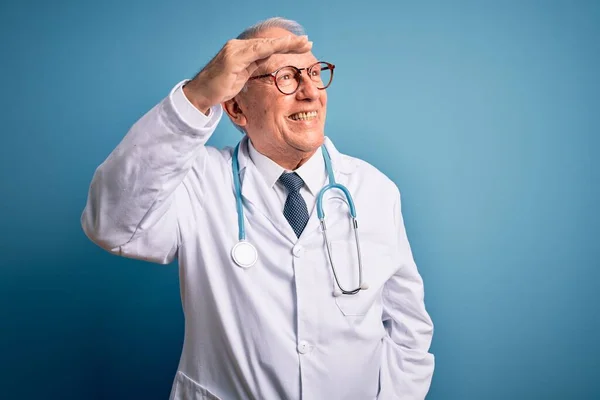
486 114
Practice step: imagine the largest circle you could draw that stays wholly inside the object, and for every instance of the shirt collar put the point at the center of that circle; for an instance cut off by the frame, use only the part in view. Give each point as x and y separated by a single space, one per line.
312 171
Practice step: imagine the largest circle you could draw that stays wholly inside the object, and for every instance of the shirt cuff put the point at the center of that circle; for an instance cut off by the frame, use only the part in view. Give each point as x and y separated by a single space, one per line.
190 114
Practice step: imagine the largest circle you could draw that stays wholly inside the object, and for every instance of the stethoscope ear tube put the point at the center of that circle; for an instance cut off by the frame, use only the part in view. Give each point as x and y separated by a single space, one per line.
339 290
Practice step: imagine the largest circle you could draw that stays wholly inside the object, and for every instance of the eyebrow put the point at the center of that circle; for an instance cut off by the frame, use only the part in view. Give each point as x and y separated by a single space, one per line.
270 70
266 70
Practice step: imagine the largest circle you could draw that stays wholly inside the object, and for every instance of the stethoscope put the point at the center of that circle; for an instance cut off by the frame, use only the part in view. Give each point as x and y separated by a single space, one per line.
244 253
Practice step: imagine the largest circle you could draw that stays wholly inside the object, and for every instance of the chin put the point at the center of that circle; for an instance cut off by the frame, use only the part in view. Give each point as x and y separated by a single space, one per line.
308 141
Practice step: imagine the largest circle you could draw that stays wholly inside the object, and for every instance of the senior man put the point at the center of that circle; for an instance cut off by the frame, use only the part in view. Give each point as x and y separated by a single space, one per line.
276 304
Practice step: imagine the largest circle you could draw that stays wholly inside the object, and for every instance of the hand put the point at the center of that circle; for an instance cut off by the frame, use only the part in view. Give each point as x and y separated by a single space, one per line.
226 74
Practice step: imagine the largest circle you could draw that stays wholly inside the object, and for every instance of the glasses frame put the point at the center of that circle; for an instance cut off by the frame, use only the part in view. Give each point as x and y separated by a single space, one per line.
308 69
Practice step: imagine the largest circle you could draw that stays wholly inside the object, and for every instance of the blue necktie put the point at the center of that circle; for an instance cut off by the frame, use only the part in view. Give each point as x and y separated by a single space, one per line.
295 208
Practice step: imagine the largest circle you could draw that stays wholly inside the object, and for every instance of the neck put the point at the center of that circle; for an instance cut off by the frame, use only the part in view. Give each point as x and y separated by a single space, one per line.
288 158
290 162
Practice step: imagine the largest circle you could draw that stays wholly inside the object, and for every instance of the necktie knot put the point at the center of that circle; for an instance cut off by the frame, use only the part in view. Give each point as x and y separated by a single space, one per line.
291 181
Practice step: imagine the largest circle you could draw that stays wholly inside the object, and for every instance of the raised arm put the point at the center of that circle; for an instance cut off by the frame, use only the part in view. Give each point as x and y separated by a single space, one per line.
136 194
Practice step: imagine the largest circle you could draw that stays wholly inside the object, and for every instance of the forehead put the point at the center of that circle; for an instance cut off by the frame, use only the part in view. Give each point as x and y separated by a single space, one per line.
279 60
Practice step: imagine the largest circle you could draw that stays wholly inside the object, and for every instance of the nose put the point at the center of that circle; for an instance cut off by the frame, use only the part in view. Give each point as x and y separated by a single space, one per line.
307 90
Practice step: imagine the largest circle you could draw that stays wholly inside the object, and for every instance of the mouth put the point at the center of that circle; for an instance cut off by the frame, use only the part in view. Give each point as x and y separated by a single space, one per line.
304 116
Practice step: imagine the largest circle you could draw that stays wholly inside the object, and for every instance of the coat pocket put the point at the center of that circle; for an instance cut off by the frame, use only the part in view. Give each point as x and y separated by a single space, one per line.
186 388
377 267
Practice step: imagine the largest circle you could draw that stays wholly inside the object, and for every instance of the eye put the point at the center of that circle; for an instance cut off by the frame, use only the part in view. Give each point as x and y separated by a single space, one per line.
316 71
286 76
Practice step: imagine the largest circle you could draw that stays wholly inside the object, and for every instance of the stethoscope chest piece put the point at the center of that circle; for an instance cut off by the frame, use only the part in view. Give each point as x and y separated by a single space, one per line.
244 254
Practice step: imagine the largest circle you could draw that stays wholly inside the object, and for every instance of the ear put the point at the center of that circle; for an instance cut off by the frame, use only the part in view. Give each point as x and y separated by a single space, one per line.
233 109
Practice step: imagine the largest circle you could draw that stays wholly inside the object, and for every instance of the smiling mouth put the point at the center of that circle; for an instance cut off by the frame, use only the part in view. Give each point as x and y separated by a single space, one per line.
303 116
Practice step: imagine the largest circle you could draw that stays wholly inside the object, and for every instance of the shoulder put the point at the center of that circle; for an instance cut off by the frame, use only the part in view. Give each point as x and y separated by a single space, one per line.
223 154
370 178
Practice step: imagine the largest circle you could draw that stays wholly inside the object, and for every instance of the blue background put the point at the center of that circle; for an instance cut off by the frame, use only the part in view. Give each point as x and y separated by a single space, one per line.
486 114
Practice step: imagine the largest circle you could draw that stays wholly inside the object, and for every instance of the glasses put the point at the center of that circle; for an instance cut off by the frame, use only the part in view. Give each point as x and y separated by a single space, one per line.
287 79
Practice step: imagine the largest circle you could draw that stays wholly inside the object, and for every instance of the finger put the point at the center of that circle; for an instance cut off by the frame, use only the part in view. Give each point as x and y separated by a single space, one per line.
291 44
258 49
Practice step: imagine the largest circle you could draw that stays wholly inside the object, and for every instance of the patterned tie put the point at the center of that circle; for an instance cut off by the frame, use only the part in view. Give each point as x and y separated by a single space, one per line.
295 208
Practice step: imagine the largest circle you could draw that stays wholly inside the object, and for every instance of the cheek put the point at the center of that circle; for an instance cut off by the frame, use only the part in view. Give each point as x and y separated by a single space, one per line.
258 114
270 111
324 98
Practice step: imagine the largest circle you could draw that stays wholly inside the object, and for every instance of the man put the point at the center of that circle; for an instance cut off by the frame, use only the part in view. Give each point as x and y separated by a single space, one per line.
277 326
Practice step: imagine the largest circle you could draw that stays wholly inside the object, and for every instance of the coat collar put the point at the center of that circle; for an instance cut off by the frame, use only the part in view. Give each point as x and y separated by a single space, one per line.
341 163
312 171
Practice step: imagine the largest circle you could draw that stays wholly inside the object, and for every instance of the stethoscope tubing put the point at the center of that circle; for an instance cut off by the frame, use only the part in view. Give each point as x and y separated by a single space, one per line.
320 213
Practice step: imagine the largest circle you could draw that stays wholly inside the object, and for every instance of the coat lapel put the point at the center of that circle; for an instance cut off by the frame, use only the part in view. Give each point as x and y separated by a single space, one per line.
258 197
335 207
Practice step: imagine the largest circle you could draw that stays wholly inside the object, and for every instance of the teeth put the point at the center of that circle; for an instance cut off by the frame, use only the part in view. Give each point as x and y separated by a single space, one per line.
304 116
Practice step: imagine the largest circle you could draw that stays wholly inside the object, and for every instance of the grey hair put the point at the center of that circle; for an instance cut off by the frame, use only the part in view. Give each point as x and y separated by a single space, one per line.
275 22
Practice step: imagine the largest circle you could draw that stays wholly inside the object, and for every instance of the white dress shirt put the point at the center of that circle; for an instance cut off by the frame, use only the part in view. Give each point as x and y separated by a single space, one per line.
275 330
312 173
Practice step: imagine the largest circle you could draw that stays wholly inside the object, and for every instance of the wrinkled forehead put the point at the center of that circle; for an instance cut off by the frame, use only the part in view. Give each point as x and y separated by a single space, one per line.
278 60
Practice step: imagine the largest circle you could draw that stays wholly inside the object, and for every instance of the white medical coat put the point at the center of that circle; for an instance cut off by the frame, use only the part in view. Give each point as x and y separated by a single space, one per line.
273 331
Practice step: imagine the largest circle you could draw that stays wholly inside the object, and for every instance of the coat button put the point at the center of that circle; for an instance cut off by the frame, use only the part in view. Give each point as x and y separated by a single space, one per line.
304 347
298 251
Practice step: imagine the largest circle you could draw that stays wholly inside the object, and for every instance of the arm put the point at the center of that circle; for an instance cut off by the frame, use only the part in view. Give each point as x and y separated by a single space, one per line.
132 204
407 366
130 208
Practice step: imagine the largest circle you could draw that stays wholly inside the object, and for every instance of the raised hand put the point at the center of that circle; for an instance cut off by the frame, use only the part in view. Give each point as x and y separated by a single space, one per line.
226 74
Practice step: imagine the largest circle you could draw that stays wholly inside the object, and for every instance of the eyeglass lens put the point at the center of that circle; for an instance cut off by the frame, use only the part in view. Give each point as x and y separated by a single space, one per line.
288 79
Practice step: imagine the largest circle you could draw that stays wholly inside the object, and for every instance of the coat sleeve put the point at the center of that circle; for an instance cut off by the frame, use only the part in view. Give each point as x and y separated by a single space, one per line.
407 366
132 205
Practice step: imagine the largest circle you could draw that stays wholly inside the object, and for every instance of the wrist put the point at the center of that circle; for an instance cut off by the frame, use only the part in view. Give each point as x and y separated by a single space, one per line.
200 103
